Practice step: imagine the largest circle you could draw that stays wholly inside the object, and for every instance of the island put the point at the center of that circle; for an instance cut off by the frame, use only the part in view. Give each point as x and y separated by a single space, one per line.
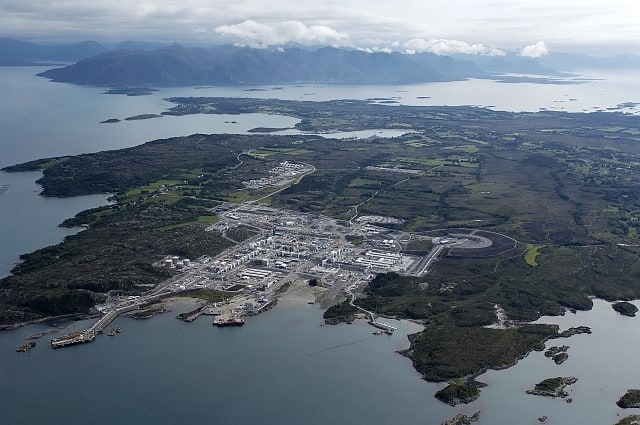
625 308
143 117
447 225
557 353
553 387
629 420
132 91
631 399
461 419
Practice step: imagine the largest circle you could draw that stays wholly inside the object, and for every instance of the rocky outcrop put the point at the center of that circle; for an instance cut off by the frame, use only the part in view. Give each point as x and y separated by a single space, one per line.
557 353
574 331
630 420
553 387
630 400
455 394
625 308
461 419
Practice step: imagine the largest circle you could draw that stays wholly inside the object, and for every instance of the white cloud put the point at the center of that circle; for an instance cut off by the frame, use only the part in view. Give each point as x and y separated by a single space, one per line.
507 24
535 50
257 34
375 49
444 47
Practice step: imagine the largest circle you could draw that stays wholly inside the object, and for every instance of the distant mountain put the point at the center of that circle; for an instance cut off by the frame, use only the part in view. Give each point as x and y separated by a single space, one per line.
16 52
575 62
140 63
513 63
176 65
552 64
140 45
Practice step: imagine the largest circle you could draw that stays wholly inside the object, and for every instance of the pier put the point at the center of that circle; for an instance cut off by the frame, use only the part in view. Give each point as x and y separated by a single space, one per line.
372 317
90 334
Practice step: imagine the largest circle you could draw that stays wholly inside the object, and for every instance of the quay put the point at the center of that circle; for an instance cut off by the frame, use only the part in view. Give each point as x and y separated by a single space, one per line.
90 334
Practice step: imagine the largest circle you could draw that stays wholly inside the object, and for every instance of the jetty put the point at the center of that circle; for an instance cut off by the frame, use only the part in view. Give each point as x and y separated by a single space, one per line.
385 327
90 333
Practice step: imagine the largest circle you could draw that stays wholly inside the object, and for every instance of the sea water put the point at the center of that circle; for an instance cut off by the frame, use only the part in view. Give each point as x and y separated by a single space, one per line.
282 367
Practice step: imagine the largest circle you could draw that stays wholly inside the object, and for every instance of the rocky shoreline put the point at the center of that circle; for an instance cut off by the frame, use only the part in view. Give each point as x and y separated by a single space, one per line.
461 419
455 394
573 331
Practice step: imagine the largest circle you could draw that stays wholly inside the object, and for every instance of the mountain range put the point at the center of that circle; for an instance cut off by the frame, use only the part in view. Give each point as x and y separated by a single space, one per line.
135 64
17 52
176 66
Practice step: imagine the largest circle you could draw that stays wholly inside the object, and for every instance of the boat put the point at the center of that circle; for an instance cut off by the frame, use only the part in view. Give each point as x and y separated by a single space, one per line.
26 347
388 329
72 339
228 320
112 332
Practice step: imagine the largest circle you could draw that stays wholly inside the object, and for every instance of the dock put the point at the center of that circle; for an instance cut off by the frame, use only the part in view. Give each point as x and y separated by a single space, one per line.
387 328
90 333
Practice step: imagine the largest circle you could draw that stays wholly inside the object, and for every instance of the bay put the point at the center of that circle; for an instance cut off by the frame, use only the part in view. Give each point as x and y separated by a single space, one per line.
282 367
30 221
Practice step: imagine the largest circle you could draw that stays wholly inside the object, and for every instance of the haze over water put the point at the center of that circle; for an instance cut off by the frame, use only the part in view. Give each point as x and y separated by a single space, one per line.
283 367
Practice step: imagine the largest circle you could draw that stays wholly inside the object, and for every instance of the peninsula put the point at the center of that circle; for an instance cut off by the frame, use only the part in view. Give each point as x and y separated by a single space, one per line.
473 223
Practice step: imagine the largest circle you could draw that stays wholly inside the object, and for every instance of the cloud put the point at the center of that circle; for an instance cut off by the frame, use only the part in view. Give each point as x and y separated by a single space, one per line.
535 50
256 34
444 47
510 25
375 49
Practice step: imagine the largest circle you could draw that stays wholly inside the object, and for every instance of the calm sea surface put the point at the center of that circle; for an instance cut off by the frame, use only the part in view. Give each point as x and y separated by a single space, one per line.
283 367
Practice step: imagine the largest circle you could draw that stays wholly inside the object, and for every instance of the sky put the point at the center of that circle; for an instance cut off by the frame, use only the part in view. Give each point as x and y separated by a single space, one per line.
488 27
